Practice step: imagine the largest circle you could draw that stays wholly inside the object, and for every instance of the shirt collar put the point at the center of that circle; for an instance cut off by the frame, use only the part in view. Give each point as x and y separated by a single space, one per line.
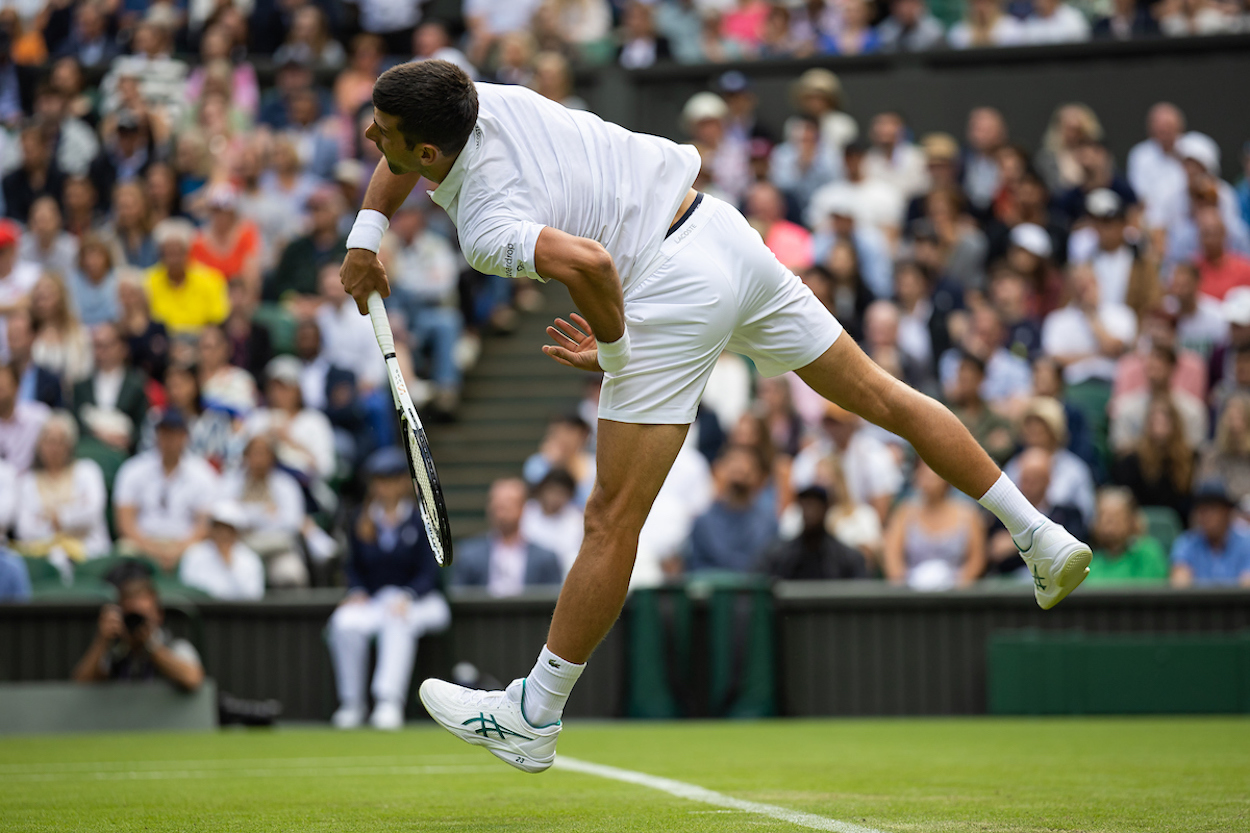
447 191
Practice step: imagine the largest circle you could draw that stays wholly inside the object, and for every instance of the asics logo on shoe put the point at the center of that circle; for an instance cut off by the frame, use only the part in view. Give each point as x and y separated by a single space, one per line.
490 724
1037 579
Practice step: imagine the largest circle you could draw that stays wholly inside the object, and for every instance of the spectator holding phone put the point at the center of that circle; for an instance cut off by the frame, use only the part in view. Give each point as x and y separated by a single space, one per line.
131 642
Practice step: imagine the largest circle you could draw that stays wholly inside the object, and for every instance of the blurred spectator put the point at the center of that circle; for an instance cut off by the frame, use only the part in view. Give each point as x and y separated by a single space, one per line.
686 494
991 430
1196 17
221 565
881 326
148 340
426 289
312 133
17 278
1098 172
130 229
273 511
514 61
74 143
872 204
164 197
285 186
683 23
553 79
132 644
1236 312
986 23
818 94
161 497
1087 336
803 163
872 474
1178 234
162 79
893 160
564 447
1124 275
641 44
935 541
223 386
211 432
949 241
1011 298
855 36
910 27
46 244
504 561
60 507
766 211
1190 375
353 85
36 384
705 118
1227 458
81 203
1055 21
1219 270
814 554
38 175
392 596
941 156
986 135
1008 378
184 295
1214 551
1128 20
14 577
1159 471
304 257
111 405
228 243
1032 472
778 416
303 436
346 335
737 528
89 42
250 343
1044 426
857 257
61 345
1154 169
1121 551
92 286
551 519
1048 382
309 40
1129 411
20 421
216 46
1071 127
923 330
1201 325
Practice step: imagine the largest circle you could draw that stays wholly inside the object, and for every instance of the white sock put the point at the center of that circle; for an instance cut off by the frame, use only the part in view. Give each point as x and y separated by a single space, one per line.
1012 508
547 688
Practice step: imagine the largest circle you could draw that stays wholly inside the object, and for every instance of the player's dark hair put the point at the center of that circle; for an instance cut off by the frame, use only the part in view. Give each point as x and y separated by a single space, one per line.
434 101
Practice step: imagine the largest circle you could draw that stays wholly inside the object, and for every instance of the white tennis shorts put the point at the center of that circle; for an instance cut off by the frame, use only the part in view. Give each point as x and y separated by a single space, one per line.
718 288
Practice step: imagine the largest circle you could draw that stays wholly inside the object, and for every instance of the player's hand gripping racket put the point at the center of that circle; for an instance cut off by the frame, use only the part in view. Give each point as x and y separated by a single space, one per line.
420 461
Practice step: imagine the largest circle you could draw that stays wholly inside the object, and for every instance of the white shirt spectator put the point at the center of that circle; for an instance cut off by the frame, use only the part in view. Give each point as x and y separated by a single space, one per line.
728 391
162 82
1128 420
561 533
1157 178
383 16
1007 31
426 267
1064 25
68 357
61 257
507 568
871 470
79 513
314 454
8 495
1205 328
503 16
281 511
875 205
347 339
239 580
19 433
1070 482
231 389
906 171
1067 332
168 506
106 386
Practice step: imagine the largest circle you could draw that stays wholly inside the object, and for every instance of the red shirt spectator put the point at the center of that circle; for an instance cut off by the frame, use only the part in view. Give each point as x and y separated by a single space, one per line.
1219 270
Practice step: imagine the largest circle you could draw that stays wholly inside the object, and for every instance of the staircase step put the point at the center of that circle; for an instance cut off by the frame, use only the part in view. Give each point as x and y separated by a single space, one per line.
502 410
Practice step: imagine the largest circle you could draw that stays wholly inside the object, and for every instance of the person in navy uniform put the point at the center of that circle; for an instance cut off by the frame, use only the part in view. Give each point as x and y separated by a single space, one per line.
392 596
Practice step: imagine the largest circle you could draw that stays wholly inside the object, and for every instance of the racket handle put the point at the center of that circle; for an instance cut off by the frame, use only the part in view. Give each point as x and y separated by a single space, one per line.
381 324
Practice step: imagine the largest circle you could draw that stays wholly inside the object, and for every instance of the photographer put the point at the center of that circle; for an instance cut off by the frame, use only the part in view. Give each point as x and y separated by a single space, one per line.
131 644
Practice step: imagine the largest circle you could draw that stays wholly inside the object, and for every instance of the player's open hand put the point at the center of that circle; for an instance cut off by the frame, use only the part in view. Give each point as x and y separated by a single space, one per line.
361 274
574 344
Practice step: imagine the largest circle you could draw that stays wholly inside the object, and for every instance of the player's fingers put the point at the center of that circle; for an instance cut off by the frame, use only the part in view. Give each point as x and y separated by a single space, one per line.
569 330
559 354
362 304
583 323
561 339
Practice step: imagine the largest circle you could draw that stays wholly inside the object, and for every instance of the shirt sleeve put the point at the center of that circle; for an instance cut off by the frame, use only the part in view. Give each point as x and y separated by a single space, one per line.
1183 550
503 246
126 489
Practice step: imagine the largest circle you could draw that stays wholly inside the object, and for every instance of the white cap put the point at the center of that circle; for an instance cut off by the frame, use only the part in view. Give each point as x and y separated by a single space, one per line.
1103 203
841 204
228 512
1032 238
1236 307
703 106
1202 149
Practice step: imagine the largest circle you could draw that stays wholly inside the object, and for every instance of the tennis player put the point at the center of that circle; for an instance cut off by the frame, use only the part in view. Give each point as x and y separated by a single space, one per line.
665 279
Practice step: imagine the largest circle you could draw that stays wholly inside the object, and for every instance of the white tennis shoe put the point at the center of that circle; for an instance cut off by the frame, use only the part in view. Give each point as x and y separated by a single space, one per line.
494 719
1057 561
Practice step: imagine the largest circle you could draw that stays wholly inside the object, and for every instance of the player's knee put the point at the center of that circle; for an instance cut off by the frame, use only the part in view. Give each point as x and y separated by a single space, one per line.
613 517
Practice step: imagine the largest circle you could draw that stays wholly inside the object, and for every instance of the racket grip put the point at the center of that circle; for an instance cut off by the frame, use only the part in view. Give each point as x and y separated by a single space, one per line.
381 325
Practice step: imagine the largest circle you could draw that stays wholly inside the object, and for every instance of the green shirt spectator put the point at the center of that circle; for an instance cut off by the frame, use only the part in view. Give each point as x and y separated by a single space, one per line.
1121 552
302 259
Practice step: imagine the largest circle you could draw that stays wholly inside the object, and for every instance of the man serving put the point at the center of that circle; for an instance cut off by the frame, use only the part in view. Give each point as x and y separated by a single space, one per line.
665 279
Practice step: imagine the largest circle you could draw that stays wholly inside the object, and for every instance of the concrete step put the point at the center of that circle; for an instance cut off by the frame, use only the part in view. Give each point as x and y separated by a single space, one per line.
504 410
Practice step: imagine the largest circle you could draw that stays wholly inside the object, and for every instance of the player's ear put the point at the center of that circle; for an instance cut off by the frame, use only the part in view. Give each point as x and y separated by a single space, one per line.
428 154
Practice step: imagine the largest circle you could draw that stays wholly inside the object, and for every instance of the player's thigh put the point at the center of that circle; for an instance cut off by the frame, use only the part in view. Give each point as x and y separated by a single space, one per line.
364 618
846 375
631 462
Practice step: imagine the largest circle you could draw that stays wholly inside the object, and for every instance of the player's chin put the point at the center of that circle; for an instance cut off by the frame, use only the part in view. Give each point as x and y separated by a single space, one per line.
395 168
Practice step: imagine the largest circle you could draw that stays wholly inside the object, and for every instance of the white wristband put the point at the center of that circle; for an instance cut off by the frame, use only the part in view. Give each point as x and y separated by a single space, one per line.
614 355
368 229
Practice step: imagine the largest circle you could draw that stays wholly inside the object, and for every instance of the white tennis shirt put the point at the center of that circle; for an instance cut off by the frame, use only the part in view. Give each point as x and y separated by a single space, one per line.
531 162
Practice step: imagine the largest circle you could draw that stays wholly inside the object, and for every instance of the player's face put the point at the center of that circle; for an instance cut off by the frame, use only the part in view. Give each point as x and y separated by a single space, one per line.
384 132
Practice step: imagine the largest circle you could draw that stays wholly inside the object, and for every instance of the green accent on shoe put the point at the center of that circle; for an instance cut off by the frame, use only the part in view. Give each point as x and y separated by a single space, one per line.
1037 579
490 724
524 715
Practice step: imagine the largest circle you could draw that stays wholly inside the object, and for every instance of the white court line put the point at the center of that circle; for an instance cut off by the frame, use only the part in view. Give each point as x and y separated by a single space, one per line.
692 792
295 772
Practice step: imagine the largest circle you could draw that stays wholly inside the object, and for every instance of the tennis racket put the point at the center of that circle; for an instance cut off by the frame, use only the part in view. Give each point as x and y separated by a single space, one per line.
420 461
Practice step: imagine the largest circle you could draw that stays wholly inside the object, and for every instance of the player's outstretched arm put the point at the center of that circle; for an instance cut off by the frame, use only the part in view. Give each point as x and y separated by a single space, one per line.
362 272
586 268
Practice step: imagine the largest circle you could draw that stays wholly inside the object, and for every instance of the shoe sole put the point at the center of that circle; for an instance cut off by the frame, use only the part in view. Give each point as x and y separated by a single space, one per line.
1071 576
513 760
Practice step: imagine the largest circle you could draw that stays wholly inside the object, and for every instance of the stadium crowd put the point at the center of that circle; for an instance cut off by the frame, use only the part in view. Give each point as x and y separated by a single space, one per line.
184 380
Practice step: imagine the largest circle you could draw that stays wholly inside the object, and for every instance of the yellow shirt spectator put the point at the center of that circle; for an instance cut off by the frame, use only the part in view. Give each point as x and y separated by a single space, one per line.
200 300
